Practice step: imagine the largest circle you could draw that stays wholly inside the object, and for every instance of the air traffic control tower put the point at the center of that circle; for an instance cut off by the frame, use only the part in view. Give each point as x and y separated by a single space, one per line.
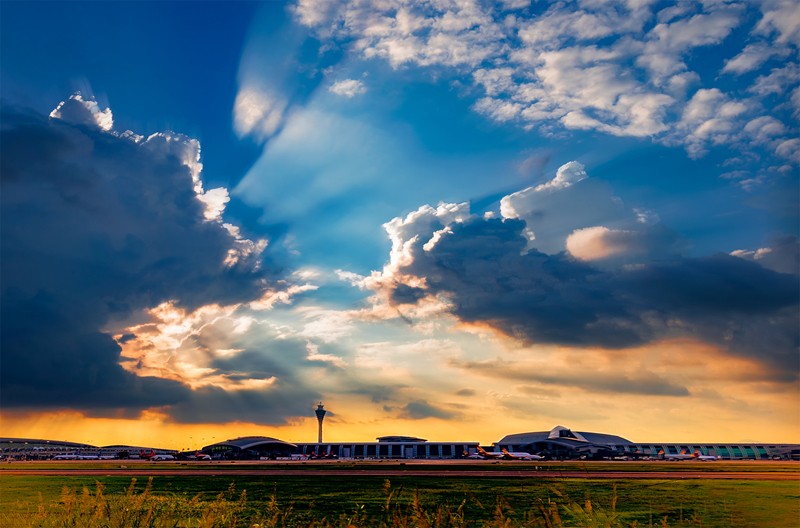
320 412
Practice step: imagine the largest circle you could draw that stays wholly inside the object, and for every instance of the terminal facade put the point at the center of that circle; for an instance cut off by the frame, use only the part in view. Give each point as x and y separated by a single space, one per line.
560 443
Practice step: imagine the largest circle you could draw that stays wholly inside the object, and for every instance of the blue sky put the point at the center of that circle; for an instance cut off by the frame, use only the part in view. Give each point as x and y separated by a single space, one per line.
426 214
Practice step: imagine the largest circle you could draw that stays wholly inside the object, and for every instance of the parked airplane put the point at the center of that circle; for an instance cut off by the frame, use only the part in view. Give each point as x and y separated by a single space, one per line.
683 455
505 455
522 455
699 456
486 455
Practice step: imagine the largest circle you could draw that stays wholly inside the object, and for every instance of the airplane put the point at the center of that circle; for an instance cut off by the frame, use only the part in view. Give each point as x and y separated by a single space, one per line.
147 454
699 456
522 455
683 455
486 455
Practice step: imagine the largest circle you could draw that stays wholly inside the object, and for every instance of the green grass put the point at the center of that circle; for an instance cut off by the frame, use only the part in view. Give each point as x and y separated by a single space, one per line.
189 501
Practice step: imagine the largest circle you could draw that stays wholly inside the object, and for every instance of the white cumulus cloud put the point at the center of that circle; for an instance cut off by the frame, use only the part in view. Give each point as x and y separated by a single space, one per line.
348 88
598 243
80 111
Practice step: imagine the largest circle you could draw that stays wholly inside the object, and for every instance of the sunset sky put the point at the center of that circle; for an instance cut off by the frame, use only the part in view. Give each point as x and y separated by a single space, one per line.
448 219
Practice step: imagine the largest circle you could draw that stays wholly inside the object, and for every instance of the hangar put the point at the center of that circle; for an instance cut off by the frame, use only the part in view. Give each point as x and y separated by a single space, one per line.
561 442
249 448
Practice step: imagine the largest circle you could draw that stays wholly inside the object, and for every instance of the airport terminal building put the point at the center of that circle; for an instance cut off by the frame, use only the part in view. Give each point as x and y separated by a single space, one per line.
390 447
387 447
559 443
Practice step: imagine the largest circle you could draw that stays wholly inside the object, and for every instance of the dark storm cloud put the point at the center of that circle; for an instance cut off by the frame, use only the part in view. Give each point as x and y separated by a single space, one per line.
261 365
646 383
782 255
483 269
271 406
96 227
420 409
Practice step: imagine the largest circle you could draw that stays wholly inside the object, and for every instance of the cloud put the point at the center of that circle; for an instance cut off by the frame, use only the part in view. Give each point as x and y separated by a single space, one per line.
420 409
272 407
488 271
781 17
642 382
667 43
783 255
789 149
752 57
598 243
566 175
620 68
257 113
570 201
348 88
96 228
80 111
712 117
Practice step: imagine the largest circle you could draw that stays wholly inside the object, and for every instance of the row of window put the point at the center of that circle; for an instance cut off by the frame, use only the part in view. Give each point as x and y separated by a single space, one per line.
724 451
387 450
727 451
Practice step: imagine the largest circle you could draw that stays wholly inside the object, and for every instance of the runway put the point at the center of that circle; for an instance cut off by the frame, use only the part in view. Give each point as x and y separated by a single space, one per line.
671 470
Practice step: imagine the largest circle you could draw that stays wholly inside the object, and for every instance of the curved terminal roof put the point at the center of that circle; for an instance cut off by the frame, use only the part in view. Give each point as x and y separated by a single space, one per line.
400 439
560 433
250 442
11 442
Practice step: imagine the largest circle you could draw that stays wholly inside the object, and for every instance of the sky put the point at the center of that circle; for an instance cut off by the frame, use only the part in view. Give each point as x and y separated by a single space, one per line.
455 220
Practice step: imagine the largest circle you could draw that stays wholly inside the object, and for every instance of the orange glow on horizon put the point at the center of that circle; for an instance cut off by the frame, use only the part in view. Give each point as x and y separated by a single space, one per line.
728 402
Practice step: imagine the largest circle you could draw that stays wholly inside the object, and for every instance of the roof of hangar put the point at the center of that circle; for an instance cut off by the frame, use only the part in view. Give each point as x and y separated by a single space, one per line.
564 436
400 439
250 442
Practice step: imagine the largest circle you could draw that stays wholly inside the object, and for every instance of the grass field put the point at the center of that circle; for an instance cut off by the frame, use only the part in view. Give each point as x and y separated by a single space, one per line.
373 500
